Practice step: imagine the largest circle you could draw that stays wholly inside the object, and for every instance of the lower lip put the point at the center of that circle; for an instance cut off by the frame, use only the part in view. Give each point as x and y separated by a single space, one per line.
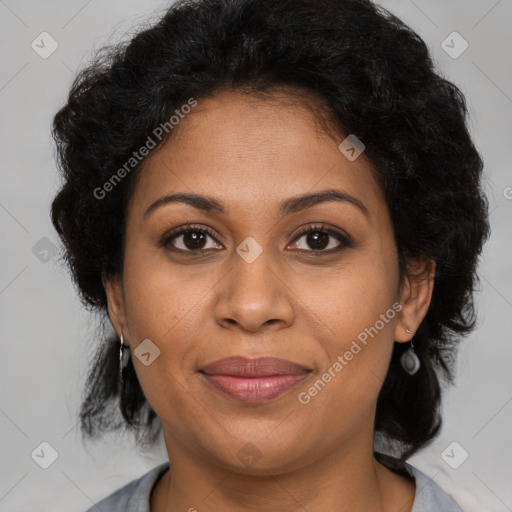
254 390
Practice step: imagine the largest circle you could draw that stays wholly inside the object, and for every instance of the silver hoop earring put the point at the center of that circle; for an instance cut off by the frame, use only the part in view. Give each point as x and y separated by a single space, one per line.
410 361
124 356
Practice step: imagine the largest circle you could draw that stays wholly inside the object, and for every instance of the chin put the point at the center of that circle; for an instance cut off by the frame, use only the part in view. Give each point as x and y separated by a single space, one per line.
260 457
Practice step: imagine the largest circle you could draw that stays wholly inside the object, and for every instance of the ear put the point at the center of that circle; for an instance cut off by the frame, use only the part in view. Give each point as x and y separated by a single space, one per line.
116 305
415 297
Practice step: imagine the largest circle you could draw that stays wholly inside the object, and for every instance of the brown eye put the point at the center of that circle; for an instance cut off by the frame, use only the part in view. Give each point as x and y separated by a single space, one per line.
191 240
194 240
320 239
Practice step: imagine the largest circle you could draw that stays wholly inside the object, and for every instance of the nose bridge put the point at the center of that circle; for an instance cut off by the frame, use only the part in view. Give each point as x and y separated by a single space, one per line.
253 271
253 294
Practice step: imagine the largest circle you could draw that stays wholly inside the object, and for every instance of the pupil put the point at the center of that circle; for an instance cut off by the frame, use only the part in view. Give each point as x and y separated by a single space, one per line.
195 239
320 240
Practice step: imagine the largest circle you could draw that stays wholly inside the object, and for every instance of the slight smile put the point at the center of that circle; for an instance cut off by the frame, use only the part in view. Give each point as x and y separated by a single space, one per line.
254 381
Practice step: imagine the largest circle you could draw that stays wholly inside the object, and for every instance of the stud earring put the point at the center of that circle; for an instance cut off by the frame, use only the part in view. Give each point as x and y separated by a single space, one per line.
124 356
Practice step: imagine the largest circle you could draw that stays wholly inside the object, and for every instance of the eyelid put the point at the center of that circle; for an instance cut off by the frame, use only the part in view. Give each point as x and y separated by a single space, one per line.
343 238
184 229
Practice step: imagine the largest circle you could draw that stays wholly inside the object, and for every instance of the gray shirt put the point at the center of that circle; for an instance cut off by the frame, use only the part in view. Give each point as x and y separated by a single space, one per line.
135 495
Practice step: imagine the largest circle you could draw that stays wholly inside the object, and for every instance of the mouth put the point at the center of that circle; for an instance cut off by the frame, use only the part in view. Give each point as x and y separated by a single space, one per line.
254 380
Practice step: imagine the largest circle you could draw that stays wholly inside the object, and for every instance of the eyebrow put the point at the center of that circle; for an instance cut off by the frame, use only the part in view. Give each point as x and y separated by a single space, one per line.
292 205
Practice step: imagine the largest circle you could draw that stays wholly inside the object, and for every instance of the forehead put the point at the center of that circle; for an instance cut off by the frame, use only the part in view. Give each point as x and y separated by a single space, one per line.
253 152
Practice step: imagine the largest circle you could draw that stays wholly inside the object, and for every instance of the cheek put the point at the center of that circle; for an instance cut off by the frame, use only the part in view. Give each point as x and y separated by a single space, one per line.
359 304
164 308
345 390
351 296
162 300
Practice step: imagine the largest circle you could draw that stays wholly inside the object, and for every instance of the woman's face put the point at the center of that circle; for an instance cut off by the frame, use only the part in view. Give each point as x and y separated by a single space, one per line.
246 283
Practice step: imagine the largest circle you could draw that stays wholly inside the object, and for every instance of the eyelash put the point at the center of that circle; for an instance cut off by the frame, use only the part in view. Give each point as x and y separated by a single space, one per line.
344 240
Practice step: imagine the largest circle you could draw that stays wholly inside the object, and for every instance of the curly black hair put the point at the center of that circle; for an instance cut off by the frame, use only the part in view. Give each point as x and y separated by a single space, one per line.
377 80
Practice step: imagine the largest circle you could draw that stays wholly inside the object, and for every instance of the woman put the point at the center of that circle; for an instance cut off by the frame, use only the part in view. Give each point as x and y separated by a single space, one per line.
279 207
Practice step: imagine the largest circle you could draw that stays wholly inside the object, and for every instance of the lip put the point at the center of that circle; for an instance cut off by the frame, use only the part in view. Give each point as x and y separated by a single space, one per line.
254 380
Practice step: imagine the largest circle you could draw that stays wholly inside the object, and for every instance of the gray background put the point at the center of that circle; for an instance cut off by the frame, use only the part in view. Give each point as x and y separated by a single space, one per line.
47 335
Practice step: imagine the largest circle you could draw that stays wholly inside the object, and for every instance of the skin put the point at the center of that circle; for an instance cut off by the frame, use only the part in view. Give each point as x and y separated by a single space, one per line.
252 154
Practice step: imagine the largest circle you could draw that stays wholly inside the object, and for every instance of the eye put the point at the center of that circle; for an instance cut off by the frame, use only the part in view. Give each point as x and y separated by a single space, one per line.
190 239
195 239
320 239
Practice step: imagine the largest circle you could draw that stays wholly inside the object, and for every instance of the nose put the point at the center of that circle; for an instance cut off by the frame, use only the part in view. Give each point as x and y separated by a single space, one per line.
254 296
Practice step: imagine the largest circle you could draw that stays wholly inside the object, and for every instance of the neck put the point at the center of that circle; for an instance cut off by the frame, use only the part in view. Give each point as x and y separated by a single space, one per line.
343 480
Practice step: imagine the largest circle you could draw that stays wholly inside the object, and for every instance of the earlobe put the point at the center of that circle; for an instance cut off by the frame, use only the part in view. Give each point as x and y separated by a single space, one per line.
115 300
416 295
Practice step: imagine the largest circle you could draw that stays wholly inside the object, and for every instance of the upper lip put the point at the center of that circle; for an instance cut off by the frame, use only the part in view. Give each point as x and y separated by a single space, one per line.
260 367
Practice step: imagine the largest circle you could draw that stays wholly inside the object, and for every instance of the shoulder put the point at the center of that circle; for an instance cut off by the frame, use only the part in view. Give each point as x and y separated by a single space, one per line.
429 496
134 496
